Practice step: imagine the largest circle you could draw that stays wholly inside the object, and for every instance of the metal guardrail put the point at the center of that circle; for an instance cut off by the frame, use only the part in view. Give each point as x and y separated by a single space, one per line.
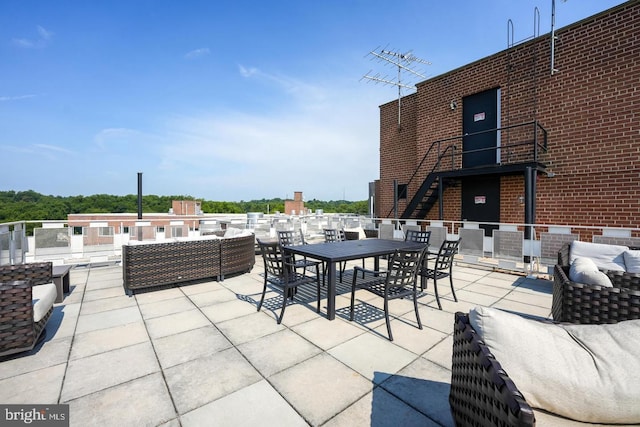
504 248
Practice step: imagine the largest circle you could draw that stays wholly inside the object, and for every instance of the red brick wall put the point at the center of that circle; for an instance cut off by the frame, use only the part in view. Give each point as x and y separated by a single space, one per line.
590 108
397 152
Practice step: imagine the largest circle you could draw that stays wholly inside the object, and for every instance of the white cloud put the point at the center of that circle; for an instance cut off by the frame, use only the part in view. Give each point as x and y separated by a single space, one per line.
23 43
53 148
324 145
247 72
44 33
308 93
197 53
15 98
44 36
112 136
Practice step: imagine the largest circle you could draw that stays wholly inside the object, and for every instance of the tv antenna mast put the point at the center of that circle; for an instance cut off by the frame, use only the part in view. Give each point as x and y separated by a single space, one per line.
403 62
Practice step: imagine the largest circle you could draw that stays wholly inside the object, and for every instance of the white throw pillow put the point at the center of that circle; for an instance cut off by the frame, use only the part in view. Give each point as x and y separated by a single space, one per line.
596 278
232 232
579 266
584 270
606 257
587 373
632 261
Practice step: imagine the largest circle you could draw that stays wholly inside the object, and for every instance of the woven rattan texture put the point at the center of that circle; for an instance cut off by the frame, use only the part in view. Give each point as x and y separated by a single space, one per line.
371 234
18 331
160 264
482 394
39 273
238 254
352 235
591 304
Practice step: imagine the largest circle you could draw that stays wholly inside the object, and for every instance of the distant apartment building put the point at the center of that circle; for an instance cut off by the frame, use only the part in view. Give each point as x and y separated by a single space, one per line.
184 215
540 132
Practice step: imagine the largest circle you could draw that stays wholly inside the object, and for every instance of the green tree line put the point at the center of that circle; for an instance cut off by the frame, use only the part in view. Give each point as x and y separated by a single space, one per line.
30 205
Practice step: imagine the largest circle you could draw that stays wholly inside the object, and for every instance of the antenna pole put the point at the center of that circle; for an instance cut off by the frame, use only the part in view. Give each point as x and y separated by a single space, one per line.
399 97
403 62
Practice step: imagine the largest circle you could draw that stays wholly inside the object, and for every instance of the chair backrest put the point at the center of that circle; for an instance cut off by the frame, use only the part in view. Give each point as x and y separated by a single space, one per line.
403 267
288 238
333 235
447 251
302 237
277 262
385 231
272 257
418 236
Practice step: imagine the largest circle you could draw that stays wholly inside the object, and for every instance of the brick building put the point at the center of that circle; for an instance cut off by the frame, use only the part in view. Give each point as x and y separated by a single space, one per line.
184 215
295 206
540 146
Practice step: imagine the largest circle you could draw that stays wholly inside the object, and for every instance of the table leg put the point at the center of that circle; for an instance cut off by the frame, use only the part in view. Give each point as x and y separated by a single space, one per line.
331 290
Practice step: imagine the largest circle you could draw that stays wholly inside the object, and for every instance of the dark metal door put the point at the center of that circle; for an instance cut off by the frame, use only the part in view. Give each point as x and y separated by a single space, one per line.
480 114
481 200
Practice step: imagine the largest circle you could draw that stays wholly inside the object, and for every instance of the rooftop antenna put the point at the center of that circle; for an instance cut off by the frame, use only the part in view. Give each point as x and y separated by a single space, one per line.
403 62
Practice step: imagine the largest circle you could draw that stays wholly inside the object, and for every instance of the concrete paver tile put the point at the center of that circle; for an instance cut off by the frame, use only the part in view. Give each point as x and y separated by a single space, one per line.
141 402
273 353
101 371
203 380
189 345
317 395
267 408
368 354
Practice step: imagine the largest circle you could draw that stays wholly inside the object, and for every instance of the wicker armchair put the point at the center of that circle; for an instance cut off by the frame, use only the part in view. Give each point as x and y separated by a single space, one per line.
482 394
591 304
27 295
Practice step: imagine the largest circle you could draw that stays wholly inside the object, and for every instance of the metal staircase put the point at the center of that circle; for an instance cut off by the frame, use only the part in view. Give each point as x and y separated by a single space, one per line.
426 197
442 176
430 190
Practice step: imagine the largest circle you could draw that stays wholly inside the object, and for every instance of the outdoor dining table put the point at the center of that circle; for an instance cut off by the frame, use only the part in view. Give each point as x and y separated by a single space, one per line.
333 253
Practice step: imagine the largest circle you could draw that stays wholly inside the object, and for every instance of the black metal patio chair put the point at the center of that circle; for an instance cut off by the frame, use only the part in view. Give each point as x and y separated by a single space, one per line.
443 267
418 236
398 281
288 238
280 271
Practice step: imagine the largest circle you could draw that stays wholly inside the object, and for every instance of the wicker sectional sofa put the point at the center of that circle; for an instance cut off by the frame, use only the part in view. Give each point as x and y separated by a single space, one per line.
592 304
509 370
169 263
482 394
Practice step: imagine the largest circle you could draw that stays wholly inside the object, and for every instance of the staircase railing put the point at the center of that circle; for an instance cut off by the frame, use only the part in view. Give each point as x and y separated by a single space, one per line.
538 146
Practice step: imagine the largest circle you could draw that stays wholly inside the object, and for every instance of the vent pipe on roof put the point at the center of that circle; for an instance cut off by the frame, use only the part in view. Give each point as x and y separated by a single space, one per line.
139 195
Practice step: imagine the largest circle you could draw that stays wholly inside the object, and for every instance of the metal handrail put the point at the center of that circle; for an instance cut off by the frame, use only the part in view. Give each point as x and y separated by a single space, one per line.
438 143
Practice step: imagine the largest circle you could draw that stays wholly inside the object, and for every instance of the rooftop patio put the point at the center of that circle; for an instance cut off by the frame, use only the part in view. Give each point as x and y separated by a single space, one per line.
200 354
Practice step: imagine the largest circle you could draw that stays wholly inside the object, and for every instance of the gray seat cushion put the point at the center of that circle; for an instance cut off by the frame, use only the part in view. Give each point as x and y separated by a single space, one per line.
43 297
588 373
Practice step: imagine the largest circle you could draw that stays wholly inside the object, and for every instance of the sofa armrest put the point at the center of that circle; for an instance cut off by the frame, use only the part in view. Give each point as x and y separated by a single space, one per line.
563 254
20 331
39 273
482 394
591 304
237 254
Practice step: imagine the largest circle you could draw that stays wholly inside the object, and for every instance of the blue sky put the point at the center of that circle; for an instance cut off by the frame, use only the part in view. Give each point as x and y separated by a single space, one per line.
224 100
